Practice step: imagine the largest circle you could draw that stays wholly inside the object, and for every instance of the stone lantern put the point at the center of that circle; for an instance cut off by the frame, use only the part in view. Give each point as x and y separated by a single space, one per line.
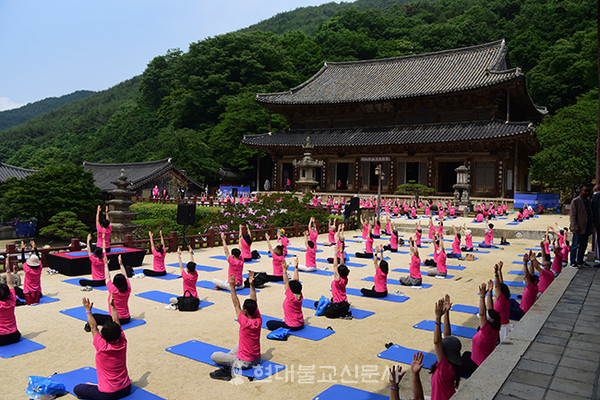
120 216
307 166
461 188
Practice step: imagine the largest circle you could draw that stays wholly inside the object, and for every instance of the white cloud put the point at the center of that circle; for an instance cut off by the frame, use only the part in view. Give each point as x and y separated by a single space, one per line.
8 104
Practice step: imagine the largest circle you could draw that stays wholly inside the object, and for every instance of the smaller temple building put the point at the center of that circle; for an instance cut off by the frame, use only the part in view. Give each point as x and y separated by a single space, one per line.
10 171
144 176
419 117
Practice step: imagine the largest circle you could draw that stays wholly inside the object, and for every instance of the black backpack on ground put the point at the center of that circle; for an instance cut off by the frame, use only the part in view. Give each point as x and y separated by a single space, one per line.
337 310
260 279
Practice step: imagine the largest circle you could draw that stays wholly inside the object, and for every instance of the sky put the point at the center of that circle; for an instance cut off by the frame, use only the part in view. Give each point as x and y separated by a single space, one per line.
50 48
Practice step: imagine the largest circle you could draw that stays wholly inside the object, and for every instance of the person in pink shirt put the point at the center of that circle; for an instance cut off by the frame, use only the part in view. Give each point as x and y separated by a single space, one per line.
247 353
447 370
33 274
418 233
236 267
439 257
310 260
111 358
189 276
393 246
277 256
456 251
431 232
158 257
104 230
245 241
488 240
546 277
381 273
119 291
468 239
283 241
440 229
368 253
292 304
486 338
331 233
338 306
377 228
502 303
313 233
97 262
8 300
414 279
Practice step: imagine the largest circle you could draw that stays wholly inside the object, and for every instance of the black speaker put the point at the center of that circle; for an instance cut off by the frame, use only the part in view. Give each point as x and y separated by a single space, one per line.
186 214
354 203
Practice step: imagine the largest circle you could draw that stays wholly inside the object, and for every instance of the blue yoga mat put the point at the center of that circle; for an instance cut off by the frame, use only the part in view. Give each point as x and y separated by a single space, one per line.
396 282
167 277
348 264
44 300
538 249
479 251
308 332
465 309
405 355
210 285
336 392
163 297
515 284
23 346
317 272
516 272
75 281
79 313
457 330
206 268
356 313
408 272
88 374
200 351
456 267
390 297
223 258
513 223
474 251
299 249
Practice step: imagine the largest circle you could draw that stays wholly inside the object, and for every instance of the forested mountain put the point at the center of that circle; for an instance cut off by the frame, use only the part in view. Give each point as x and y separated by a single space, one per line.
195 106
17 116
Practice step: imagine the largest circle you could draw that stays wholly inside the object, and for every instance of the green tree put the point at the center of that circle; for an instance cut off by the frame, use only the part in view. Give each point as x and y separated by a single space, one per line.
65 226
568 141
50 191
414 188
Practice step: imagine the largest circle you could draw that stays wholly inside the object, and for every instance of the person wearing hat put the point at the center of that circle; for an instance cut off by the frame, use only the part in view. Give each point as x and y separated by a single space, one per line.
486 338
446 372
33 272
468 239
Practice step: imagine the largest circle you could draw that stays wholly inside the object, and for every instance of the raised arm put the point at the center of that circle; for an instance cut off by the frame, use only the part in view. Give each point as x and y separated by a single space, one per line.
122 267
106 269
35 249
534 264
162 240
179 259
396 376
191 253
106 214
375 258
234 297
98 209
252 288
306 239
417 387
447 307
336 274
151 241
224 242
286 279
482 313
437 330
268 237
113 310
87 247
489 303
9 280
526 274
90 318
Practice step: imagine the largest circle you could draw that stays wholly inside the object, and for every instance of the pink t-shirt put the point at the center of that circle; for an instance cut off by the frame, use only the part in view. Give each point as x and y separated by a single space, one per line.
394 241
277 260
441 262
121 299
469 241
111 364
189 282
415 267
502 305
557 262
246 249
8 322
484 342
479 217
313 236
365 231
284 242
529 296
311 257
338 290
377 230
369 245
418 238
440 229
292 309
442 381
546 278
97 268
236 268
431 231
32 279
331 236
107 232
456 245
489 237
249 337
380 281
158 261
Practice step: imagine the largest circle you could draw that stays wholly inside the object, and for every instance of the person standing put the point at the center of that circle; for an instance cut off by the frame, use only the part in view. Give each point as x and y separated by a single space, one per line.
581 224
596 216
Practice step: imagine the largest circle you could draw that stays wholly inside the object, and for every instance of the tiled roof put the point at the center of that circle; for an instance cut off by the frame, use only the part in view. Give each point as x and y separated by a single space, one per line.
138 173
402 77
391 135
10 171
